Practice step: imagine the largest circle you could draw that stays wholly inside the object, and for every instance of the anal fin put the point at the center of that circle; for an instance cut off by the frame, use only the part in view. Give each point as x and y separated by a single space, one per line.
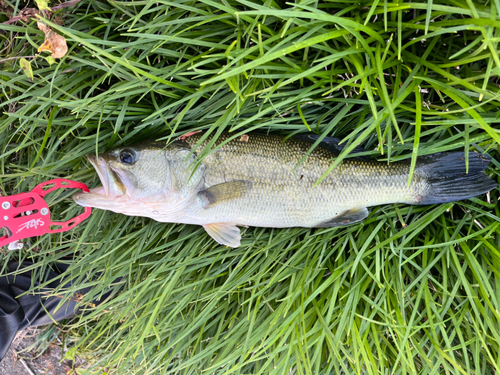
224 191
224 233
345 218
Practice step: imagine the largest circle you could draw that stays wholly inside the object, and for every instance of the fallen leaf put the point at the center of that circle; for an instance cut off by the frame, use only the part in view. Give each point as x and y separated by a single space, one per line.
53 42
28 13
5 8
42 4
26 67
70 354
50 60
58 20
43 27
79 296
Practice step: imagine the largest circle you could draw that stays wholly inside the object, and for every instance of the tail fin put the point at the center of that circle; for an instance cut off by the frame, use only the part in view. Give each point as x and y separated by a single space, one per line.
447 180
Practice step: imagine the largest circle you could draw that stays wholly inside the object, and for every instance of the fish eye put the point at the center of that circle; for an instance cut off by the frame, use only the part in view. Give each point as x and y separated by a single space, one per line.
127 156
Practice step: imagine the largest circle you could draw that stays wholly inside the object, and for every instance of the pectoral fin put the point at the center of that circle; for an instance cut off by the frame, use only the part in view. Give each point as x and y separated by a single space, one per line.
224 192
224 233
345 218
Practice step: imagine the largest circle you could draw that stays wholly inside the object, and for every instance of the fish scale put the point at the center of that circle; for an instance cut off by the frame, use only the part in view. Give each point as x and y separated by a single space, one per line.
284 195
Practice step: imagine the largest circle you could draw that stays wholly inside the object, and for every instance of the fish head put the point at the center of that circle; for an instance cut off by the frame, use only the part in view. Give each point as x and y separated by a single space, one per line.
135 178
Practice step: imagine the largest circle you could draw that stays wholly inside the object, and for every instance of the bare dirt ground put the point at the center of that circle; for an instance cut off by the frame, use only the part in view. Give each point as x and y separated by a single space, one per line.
30 362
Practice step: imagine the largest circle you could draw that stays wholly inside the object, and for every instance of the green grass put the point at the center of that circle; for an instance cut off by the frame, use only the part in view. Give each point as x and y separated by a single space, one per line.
413 289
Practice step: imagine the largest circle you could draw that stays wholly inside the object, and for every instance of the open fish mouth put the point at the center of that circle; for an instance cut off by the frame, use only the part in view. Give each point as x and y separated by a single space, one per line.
112 188
112 185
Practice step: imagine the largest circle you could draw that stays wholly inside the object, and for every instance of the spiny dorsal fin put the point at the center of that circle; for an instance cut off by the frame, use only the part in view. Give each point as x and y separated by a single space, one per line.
345 218
331 144
225 191
224 233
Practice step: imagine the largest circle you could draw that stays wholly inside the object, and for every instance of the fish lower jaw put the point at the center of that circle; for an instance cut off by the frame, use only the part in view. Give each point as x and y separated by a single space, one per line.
97 198
109 194
98 191
126 206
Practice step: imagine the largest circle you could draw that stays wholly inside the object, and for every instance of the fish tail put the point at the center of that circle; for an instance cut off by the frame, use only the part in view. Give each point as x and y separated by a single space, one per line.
446 178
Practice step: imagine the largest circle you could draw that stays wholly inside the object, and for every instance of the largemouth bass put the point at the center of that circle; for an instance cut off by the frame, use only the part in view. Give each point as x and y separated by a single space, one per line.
254 181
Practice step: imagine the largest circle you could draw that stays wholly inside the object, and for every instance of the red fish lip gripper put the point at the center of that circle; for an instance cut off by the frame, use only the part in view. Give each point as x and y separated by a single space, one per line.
27 215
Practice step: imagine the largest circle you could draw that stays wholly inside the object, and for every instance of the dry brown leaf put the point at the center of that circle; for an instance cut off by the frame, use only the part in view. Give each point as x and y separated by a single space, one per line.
53 42
79 296
27 13
43 27
58 20
5 8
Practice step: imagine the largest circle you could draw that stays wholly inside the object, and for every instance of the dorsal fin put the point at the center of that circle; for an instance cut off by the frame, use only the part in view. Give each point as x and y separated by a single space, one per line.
331 144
